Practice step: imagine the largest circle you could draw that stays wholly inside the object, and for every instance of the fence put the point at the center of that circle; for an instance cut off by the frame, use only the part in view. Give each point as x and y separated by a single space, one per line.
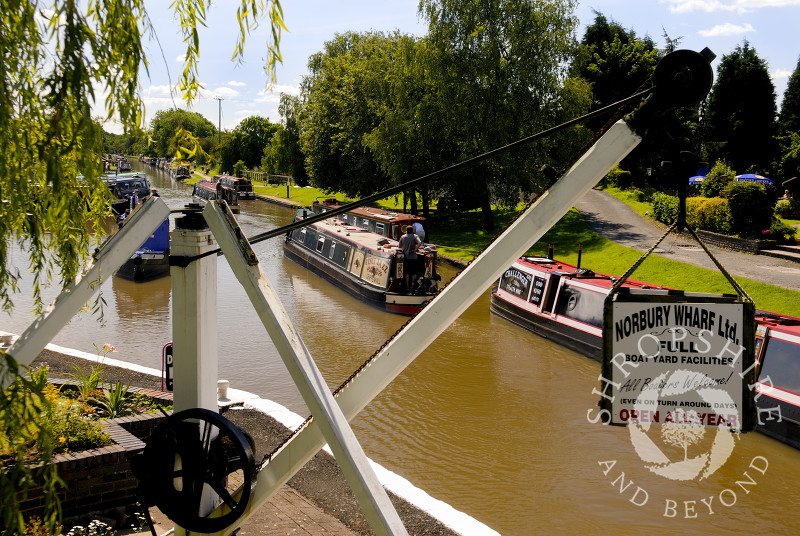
265 179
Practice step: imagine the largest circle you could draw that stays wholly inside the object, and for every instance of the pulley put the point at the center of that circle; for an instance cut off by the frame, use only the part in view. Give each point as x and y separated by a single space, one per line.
683 77
194 461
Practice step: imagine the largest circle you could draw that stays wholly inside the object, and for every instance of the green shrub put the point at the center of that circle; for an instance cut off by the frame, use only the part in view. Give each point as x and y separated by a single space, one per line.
787 208
782 231
619 177
643 195
665 208
751 209
708 214
717 179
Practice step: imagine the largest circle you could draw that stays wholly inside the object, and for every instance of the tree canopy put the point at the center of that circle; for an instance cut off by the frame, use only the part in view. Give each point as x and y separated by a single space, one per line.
246 143
165 126
500 67
741 113
789 119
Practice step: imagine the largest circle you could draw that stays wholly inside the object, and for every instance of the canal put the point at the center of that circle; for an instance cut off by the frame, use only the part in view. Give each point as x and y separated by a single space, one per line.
490 418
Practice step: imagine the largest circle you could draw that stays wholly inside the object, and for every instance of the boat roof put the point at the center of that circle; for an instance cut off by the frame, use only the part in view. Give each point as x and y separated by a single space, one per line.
124 176
357 236
389 216
603 281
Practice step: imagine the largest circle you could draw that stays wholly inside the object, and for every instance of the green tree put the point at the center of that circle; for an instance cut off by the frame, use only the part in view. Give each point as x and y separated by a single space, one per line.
789 119
741 113
167 125
614 61
283 155
500 70
246 142
338 113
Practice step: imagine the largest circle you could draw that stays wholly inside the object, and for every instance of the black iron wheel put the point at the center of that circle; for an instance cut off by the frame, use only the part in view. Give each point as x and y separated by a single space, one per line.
195 460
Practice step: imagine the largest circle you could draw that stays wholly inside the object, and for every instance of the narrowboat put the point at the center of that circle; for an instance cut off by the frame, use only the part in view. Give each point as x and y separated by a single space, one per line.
242 187
388 223
123 186
564 303
206 190
179 172
151 260
366 264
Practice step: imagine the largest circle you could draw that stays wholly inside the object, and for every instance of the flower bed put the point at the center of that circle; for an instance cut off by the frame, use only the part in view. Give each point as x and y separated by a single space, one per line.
100 479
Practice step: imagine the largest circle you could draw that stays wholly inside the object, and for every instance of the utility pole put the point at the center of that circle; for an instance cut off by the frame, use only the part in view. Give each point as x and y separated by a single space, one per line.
219 120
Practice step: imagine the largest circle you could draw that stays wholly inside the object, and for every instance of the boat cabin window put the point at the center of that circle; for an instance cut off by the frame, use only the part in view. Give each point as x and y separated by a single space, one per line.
365 223
320 244
309 238
380 229
339 254
781 365
344 218
581 304
396 231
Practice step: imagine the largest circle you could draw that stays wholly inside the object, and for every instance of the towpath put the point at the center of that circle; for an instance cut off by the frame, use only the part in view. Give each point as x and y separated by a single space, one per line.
613 219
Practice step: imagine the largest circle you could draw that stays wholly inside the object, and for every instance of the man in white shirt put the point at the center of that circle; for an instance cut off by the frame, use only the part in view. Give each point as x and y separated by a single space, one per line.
409 243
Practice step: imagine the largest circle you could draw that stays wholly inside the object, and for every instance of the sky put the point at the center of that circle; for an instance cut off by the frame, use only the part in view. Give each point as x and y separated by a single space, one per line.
234 91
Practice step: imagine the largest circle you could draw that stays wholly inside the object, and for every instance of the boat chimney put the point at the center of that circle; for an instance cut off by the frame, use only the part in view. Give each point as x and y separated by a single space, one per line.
550 252
580 250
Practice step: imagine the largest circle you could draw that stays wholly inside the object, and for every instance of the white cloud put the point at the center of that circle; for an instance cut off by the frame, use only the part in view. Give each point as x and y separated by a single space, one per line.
234 83
181 58
727 29
734 6
780 74
225 92
247 113
159 91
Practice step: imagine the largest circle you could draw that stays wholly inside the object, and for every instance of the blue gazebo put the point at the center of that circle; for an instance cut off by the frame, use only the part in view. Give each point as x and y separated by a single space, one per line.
752 177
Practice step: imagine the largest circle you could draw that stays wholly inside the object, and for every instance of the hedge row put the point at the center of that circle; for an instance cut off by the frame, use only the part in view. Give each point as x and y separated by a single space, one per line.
701 213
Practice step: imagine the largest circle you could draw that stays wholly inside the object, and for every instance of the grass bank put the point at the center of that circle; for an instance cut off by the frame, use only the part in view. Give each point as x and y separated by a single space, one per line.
602 255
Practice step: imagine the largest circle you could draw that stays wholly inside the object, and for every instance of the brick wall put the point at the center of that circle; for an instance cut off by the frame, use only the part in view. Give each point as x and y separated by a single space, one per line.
101 479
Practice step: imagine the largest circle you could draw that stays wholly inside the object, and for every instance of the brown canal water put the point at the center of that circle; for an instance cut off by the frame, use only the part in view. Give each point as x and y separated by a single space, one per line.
490 419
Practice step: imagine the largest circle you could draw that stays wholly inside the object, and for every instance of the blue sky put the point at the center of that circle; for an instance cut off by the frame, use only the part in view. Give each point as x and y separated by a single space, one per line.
769 25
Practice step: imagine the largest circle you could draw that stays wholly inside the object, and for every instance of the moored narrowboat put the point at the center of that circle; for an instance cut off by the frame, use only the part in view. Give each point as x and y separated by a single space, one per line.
365 264
564 303
242 187
206 190
151 260
123 186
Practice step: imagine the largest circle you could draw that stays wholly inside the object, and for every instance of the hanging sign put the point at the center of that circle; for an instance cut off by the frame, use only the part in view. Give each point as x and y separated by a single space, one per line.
674 358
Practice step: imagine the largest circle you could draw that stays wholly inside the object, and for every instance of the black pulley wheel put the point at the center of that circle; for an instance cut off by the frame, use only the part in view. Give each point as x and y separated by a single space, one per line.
683 78
194 460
